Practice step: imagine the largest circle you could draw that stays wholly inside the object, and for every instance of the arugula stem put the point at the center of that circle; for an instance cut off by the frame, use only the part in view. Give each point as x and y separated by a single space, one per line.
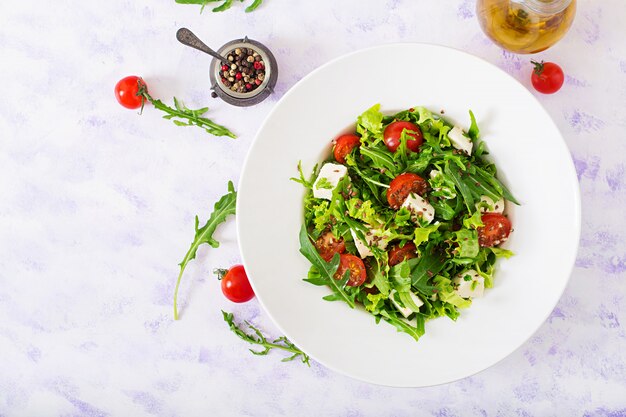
182 112
261 340
180 275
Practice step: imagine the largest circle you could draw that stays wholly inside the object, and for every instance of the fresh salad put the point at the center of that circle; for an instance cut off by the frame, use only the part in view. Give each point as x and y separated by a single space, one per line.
405 218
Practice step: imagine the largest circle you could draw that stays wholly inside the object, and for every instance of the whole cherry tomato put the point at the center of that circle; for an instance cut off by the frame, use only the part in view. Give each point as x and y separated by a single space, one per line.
547 77
235 285
127 92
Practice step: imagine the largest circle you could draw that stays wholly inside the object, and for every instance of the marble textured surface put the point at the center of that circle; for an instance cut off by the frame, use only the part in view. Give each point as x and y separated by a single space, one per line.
97 207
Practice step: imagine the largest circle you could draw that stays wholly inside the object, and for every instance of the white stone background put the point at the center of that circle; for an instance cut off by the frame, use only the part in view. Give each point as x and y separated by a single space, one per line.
97 206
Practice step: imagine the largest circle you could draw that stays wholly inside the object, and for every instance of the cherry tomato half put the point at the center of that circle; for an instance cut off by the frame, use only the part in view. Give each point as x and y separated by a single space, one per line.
402 186
355 265
547 77
126 91
398 254
235 285
328 245
495 230
344 145
394 130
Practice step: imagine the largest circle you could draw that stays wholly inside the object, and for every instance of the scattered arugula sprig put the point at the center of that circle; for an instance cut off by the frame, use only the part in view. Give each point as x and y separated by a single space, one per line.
222 7
259 339
222 209
181 115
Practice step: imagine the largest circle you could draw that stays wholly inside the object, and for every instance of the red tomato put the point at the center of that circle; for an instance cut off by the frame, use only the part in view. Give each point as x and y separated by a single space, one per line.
355 265
126 91
328 245
402 186
235 285
344 145
547 78
394 130
495 230
398 254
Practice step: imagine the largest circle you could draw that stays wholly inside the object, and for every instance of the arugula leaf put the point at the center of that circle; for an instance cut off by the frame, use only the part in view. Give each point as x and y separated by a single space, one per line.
326 269
224 6
473 131
429 264
183 116
407 300
255 4
454 172
485 178
402 326
400 276
258 338
323 183
422 161
224 207
302 180
380 159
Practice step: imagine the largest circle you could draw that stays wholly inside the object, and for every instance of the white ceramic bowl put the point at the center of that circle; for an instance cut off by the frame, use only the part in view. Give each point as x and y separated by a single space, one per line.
533 161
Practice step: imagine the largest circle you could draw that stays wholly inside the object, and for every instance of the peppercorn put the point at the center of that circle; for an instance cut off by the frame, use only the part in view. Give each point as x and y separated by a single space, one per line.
245 72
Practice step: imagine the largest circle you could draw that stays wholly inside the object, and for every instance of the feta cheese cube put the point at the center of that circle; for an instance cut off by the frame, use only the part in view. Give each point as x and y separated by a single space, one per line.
363 250
465 286
373 237
497 207
419 207
405 311
327 180
459 140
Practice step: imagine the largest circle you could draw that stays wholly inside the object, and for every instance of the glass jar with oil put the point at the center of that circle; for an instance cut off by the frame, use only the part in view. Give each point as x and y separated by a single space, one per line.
525 26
